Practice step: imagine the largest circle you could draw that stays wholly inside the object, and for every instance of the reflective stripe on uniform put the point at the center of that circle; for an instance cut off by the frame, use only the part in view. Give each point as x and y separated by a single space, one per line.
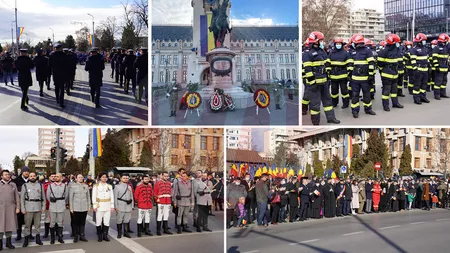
338 76
380 59
312 112
355 105
389 75
416 92
334 95
422 91
328 108
360 78
384 97
437 87
393 95
346 96
367 105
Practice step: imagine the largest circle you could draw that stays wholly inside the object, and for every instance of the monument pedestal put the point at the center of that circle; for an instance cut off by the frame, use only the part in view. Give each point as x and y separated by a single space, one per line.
220 64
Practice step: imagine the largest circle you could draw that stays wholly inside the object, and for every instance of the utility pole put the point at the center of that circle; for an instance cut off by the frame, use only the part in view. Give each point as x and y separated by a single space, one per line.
53 33
12 37
91 153
17 34
414 18
446 20
58 150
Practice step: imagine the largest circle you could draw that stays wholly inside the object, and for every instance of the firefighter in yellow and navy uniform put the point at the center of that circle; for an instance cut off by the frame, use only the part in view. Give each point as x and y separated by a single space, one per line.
372 70
306 86
410 67
350 50
420 55
432 69
363 62
388 62
401 71
315 61
440 56
340 62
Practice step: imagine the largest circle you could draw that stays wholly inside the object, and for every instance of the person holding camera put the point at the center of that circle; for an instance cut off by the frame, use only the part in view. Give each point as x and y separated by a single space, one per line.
183 200
80 205
57 195
203 191
143 196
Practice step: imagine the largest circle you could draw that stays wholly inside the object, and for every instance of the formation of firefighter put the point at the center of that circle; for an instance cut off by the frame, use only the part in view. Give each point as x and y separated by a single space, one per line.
350 69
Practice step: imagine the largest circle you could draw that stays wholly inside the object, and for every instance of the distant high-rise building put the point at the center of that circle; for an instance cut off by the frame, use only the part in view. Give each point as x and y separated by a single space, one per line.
276 136
368 22
47 140
239 138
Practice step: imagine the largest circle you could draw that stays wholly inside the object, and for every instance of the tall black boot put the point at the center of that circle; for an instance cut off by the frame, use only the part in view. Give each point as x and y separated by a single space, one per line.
158 227
179 228
185 229
9 244
139 230
60 235
52 235
99 233
1 244
19 234
105 233
25 241
126 227
82 235
119 231
166 228
38 240
76 233
147 229
47 230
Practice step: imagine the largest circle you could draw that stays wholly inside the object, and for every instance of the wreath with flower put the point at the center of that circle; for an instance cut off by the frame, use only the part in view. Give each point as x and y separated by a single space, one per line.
216 102
261 98
229 102
194 100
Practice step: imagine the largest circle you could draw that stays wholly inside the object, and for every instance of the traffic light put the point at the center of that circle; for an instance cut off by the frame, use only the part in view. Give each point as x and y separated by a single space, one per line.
53 153
63 154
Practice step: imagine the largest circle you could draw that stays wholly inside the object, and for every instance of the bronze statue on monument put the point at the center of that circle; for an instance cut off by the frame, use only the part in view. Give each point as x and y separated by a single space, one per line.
219 22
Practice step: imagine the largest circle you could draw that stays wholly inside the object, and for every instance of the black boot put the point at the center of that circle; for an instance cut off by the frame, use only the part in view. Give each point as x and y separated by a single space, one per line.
19 234
355 115
1 244
82 235
370 112
25 241
166 228
386 109
76 233
171 114
174 113
425 100
9 244
119 231
60 235
334 121
179 228
99 233
139 230
105 233
38 240
158 228
185 229
52 235
147 229
126 227
398 105
47 230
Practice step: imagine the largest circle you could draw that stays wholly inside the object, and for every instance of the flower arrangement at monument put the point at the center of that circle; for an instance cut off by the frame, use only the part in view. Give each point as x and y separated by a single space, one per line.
194 100
219 101
261 98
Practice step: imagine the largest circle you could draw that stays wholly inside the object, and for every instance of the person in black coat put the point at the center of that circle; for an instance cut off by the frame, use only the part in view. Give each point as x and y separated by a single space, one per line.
305 193
292 188
348 197
130 71
141 65
316 200
60 67
49 70
390 195
283 200
120 67
20 181
329 205
24 65
111 60
73 59
7 66
95 65
384 196
41 63
369 187
339 192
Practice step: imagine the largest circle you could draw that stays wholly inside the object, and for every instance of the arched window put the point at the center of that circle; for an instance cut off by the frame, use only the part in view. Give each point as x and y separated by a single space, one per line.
185 44
175 75
294 74
176 44
161 77
163 44
259 75
169 45
274 74
239 75
282 74
267 74
288 74
251 44
246 45
184 76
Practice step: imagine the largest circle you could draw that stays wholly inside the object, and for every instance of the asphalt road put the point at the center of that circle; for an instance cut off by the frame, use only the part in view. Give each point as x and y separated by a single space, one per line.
118 109
205 242
289 115
412 114
414 231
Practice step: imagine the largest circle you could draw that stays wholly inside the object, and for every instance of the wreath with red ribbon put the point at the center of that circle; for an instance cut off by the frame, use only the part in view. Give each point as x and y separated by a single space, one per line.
261 98
216 102
193 100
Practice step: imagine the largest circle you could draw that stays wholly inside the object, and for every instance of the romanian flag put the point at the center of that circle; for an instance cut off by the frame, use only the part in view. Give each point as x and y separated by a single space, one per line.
234 171
91 38
333 175
291 172
258 172
348 147
97 142
241 170
270 171
20 31
264 170
285 172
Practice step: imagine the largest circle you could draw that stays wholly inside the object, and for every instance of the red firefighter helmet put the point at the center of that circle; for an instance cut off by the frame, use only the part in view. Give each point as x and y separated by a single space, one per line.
358 38
443 38
339 40
307 43
392 39
434 42
420 37
408 43
314 37
383 43
367 42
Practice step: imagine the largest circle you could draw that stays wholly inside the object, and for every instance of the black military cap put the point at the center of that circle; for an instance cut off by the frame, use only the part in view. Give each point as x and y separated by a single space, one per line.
57 45
144 48
94 49
24 50
119 48
130 50
65 49
71 50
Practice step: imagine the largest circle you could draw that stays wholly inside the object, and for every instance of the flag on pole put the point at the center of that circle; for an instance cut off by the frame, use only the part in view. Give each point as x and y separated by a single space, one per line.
97 142
234 171
20 31
348 147
252 172
91 38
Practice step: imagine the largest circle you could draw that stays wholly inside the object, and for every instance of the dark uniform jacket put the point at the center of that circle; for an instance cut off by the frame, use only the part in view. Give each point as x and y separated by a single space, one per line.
339 64
95 65
7 64
119 63
60 65
388 59
41 63
315 61
419 58
440 58
141 64
128 62
363 63
24 65
262 192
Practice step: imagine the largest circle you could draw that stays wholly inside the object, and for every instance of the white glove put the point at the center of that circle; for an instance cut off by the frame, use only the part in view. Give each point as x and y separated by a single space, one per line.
286 192
174 88
276 89
168 95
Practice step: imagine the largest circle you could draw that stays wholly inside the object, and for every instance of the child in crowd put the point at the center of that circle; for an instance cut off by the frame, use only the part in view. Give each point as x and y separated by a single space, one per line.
242 213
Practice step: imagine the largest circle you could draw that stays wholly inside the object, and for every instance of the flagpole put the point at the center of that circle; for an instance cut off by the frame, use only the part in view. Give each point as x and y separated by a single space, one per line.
91 153
17 35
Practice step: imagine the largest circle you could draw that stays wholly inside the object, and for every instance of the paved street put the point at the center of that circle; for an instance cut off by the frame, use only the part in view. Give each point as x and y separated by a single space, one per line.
414 231
412 114
287 116
211 242
117 107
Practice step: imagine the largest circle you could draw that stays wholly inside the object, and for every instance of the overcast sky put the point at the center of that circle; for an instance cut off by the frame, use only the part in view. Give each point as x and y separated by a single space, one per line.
369 4
17 141
37 16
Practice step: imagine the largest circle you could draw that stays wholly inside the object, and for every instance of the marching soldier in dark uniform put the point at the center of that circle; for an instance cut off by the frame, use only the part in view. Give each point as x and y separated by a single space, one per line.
49 70
41 63
59 65
7 66
120 66
95 65
141 65
32 202
73 59
24 65
112 58
130 71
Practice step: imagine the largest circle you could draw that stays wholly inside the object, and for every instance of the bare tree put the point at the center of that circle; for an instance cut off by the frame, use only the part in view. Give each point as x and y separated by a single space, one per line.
441 150
165 136
111 25
326 16
140 10
131 19
26 155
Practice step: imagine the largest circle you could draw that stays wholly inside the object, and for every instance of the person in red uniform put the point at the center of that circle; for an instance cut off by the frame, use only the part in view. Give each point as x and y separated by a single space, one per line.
143 196
163 198
376 193
47 205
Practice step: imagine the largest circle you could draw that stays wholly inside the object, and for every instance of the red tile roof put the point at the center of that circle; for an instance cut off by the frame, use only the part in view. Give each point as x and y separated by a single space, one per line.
246 156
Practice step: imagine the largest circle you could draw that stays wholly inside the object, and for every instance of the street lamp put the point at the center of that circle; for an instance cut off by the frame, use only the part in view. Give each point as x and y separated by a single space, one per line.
53 33
12 37
93 40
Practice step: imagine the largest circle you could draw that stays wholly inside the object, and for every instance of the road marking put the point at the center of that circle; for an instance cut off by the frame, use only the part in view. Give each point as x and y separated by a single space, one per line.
415 223
66 251
128 243
303 242
443 219
354 233
9 106
396 226
175 235
253 251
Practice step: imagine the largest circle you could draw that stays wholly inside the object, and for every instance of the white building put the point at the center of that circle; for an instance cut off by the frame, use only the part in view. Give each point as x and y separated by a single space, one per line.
368 22
47 140
239 138
276 136
40 162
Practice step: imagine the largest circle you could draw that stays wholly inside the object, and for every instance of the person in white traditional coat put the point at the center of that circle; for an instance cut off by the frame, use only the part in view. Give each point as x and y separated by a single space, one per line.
355 197
103 204
9 207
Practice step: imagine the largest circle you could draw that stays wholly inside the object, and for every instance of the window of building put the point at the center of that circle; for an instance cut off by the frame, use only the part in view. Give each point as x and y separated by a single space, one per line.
153 75
246 58
187 141
288 73
443 146
246 45
290 44
174 159
259 75
281 58
251 44
175 59
238 59
257 44
271 44
176 44
239 75
272 58
266 58
174 140
185 44
285 44
416 162
163 59
188 161
247 74
216 143
203 144
401 144
202 160
169 58
258 58
253 74
274 74
267 74
185 59
253 58
428 163
286 57
169 45
265 44
418 146
428 147
282 74
175 75
161 77
163 44
294 74
292 58
153 59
